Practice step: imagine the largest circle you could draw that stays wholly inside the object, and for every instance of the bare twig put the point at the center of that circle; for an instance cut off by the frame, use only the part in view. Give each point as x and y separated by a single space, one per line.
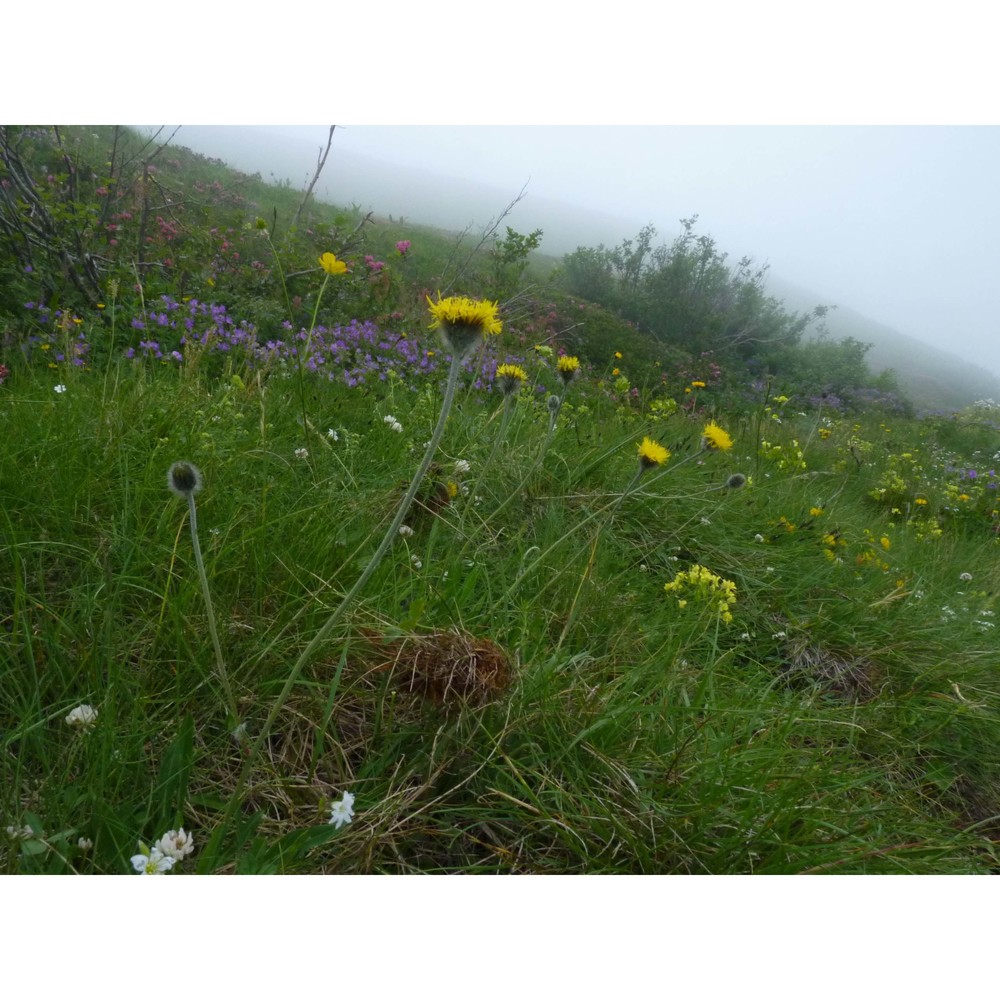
320 164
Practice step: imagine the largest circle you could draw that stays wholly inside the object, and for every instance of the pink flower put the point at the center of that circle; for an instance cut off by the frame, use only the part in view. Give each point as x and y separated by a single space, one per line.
402 246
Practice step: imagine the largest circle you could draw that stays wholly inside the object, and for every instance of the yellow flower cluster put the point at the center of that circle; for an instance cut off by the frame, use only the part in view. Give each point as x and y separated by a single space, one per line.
706 587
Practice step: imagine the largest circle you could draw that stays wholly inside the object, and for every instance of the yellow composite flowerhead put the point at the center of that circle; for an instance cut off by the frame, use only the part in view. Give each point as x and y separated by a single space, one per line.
567 366
713 436
510 378
331 264
459 310
652 453
463 322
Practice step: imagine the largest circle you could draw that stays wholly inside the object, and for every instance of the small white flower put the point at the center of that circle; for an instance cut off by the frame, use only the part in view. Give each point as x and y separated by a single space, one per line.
462 467
965 577
176 844
154 863
768 569
405 530
59 388
705 520
20 832
643 568
778 635
758 538
332 434
343 811
745 636
393 423
83 717
417 564
85 843
302 453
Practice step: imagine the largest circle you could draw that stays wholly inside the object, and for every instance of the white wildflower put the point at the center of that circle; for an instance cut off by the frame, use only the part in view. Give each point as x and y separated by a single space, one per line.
176 844
83 717
758 538
462 467
393 423
302 453
342 812
332 434
154 863
405 530
20 832
59 388
417 564
965 577
779 635
84 843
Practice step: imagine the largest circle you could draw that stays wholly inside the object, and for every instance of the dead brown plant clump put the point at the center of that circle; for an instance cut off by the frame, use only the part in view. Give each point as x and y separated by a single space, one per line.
447 667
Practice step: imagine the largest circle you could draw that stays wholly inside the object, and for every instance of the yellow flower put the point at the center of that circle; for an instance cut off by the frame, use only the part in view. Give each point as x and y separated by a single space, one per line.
920 502
885 543
511 378
825 432
463 322
713 436
815 511
452 489
697 385
461 311
331 265
615 371
618 355
652 453
567 367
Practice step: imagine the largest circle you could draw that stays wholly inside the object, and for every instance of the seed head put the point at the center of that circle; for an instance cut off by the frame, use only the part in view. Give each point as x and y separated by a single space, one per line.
184 479
736 480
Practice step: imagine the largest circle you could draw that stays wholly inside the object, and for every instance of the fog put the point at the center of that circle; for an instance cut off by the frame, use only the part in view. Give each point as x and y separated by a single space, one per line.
897 223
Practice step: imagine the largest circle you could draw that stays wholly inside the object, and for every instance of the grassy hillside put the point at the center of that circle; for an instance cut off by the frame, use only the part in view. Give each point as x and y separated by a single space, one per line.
934 379
607 609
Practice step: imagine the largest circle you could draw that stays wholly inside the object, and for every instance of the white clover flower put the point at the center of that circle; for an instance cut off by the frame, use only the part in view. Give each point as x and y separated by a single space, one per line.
405 530
393 423
20 832
83 717
84 843
302 453
332 434
59 388
342 812
176 844
462 467
965 577
154 863
758 538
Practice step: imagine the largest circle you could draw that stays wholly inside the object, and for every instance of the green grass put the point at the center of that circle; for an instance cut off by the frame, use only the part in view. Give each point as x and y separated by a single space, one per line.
842 722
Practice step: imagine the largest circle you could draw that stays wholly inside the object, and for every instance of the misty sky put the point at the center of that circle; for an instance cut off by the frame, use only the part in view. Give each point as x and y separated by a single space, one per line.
898 223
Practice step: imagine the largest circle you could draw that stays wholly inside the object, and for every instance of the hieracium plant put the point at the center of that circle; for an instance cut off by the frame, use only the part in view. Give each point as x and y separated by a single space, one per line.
463 324
185 481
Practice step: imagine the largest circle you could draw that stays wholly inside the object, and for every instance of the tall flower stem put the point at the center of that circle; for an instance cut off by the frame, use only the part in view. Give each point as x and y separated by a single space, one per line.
373 563
305 350
220 663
